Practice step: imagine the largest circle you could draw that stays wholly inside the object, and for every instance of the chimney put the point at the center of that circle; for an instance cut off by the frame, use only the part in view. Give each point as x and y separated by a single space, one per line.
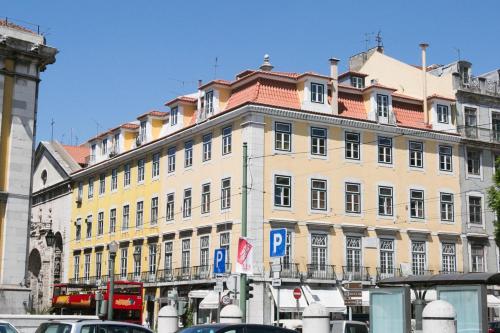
266 65
424 46
334 76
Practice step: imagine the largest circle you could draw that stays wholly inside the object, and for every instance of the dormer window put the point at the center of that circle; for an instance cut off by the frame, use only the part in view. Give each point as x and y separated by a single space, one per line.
383 106
104 146
116 143
173 116
317 92
464 73
443 114
92 152
142 133
209 102
357 82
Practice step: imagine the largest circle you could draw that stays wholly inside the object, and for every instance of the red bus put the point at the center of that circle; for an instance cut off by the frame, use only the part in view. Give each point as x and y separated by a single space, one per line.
73 298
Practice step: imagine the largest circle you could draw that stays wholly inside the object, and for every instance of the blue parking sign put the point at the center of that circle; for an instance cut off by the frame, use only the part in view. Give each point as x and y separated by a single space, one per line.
278 243
220 261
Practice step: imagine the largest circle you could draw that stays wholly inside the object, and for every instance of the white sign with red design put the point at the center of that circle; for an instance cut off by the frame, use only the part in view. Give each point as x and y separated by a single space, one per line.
245 256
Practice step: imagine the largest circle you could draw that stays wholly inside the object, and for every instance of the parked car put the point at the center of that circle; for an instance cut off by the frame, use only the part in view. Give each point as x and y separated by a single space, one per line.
235 328
6 327
349 326
90 326
494 327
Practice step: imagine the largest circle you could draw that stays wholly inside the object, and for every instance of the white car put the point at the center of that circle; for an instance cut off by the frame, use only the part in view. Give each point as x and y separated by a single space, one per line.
6 327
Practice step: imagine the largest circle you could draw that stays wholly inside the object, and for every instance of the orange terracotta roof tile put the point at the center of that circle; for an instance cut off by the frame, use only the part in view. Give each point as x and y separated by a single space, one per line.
268 92
130 126
352 73
352 106
222 82
78 153
181 99
409 115
153 113
378 85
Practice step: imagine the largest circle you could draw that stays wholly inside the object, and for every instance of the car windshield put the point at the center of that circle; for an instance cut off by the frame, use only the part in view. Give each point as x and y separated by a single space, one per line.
7 328
199 329
53 328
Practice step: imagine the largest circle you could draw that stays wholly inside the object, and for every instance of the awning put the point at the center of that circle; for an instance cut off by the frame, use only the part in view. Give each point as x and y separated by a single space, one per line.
330 298
211 301
199 293
287 302
493 301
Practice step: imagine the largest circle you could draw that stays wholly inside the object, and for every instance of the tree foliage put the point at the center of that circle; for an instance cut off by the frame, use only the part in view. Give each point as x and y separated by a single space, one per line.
494 200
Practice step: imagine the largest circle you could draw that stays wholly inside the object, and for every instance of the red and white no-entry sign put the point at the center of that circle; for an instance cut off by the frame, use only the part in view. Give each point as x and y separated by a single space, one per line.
297 293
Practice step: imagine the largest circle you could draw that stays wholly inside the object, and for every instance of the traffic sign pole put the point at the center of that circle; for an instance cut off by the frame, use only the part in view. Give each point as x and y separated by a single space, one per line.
278 320
243 277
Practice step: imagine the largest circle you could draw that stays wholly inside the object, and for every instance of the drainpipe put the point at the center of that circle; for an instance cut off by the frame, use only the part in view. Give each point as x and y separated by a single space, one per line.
334 76
424 46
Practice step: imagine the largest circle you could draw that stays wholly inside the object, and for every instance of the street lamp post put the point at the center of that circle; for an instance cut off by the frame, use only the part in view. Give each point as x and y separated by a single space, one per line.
113 248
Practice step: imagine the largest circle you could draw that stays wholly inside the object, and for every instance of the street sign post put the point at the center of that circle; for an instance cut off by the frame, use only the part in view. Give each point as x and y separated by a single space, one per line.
220 261
278 243
297 293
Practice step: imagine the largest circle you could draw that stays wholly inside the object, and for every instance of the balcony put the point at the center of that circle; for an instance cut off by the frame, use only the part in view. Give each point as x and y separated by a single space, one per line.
478 85
387 272
182 273
289 271
422 272
148 277
355 273
202 272
165 275
135 277
450 272
321 272
480 133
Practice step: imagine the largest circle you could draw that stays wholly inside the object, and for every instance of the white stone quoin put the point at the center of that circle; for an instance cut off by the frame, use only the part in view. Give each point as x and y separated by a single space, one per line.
439 316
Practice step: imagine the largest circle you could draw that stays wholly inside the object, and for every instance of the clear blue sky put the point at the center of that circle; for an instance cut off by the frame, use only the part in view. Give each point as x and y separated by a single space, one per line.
119 59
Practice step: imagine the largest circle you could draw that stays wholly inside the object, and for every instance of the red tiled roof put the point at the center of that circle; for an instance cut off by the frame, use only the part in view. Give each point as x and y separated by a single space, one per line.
184 99
130 126
352 106
222 82
5 23
265 91
409 115
154 113
352 73
78 153
378 85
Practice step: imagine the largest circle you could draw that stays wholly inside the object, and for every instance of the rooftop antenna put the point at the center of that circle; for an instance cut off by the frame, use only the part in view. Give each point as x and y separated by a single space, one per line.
97 126
76 140
367 40
52 129
215 68
458 53
378 38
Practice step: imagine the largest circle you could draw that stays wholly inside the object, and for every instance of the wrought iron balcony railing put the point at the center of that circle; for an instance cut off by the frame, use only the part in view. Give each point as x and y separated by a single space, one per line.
422 272
387 272
355 273
321 272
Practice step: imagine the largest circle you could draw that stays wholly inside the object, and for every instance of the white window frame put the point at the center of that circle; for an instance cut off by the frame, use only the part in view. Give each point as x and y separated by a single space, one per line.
318 195
171 152
282 137
155 167
352 147
282 203
352 195
319 142
154 210
225 195
317 93
387 153
227 138
385 214
126 175
443 113
170 207
446 204
187 203
141 165
188 153
418 202
139 214
447 158
174 113
416 154
205 198
207 147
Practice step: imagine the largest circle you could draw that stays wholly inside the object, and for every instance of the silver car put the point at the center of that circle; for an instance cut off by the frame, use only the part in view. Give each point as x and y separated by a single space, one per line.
90 326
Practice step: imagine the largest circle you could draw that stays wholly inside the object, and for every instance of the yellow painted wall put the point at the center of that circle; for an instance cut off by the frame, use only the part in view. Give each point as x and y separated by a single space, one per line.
201 172
188 113
369 173
156 125
403 77
129 139
300 90
224 94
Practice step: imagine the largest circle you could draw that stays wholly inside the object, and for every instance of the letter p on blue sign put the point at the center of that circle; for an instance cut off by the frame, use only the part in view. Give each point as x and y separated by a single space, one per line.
278 243
220 261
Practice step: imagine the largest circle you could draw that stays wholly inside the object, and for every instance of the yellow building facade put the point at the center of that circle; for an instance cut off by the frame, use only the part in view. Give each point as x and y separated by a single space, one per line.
365 188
